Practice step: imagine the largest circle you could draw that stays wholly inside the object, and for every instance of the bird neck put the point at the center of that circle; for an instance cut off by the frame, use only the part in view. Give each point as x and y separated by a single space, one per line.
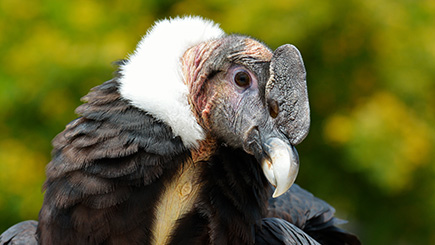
234 196
232 199
206 149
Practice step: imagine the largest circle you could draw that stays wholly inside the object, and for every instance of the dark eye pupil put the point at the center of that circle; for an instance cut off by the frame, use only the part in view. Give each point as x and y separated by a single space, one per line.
242 79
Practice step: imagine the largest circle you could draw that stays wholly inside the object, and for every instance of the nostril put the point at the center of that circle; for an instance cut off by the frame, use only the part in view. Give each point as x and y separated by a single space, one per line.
273 108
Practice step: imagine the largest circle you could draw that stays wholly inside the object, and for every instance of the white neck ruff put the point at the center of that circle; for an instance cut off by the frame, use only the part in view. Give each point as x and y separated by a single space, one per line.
152 80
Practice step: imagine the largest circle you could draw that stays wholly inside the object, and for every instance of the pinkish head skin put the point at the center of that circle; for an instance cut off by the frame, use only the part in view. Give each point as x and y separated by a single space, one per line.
248 95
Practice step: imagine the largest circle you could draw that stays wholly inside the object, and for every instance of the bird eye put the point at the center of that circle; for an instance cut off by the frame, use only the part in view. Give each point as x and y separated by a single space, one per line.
242 79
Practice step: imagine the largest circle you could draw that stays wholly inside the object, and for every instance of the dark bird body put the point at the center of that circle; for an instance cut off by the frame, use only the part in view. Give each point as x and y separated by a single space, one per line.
126 173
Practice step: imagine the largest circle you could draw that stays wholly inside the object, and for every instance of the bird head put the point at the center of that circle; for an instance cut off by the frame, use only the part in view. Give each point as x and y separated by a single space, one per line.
231 88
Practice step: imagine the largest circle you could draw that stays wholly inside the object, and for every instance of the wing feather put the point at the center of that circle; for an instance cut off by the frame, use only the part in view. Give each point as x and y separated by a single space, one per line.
21 233
311 214
275 231
103 170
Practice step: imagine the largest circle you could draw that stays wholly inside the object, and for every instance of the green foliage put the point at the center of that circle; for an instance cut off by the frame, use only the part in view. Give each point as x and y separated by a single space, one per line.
371 73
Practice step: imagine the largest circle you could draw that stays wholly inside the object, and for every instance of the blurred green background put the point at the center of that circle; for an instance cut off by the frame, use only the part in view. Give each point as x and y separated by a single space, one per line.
371 81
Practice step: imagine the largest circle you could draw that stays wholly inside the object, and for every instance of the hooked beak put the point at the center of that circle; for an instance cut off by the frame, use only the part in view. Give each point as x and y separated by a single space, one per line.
280 164
287 87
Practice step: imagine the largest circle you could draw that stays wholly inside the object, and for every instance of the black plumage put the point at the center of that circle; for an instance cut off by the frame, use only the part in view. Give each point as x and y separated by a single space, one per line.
120 175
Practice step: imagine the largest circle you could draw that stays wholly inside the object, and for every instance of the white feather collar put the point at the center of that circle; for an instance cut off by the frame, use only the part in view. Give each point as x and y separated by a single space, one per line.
152 80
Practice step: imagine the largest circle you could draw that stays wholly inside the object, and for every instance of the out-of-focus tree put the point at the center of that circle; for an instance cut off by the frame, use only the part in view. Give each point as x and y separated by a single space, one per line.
371 79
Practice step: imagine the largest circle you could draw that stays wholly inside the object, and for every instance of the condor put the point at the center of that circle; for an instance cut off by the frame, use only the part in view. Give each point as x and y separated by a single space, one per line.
192 142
